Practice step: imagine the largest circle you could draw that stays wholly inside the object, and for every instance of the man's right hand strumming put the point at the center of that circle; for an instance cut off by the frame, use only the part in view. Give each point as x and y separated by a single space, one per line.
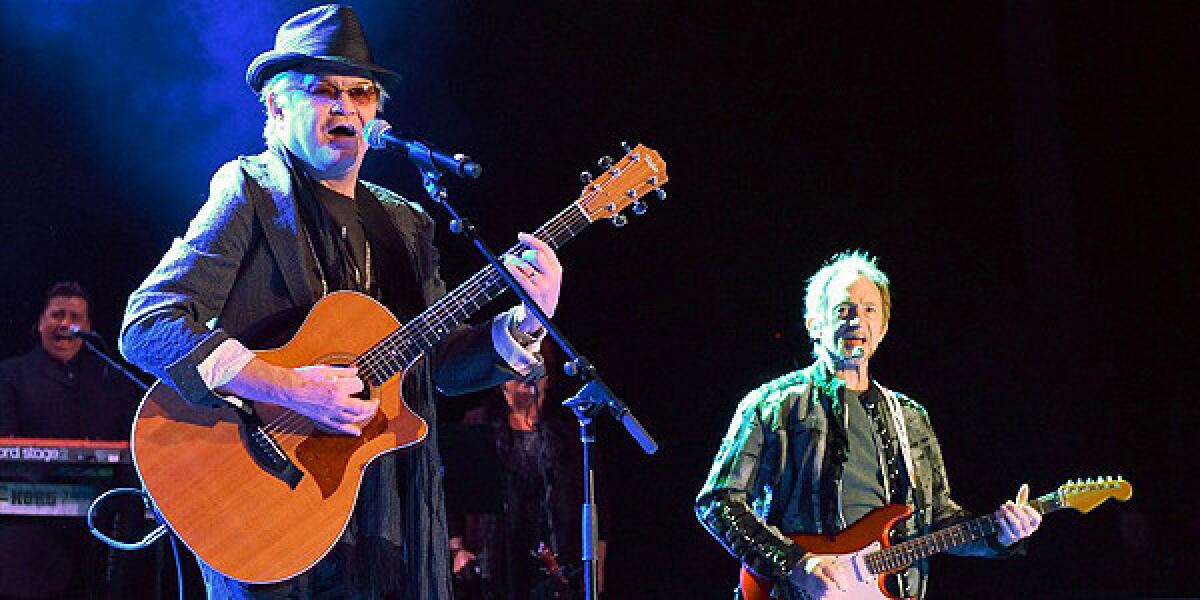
322 393
820 578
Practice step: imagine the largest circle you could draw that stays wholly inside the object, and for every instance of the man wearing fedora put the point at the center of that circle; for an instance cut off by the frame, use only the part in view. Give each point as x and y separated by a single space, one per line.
279 231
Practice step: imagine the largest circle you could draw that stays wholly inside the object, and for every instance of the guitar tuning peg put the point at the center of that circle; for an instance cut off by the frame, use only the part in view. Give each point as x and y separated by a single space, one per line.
639 208
619 220
662 194
625 147
585 177
605 162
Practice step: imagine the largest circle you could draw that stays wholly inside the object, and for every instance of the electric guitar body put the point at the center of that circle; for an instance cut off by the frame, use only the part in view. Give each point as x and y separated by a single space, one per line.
867 557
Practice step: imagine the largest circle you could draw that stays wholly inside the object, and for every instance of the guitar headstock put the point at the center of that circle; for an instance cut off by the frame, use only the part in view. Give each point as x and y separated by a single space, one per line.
1084 495
622 184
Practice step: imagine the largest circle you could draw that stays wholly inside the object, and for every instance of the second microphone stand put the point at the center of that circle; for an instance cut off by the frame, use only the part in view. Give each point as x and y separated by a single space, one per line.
593 397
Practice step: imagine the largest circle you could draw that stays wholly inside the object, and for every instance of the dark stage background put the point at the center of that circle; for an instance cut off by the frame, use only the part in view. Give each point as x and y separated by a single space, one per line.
1025 172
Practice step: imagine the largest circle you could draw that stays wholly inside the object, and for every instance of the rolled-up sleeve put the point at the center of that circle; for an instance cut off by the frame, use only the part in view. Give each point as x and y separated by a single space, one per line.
166 328
520 355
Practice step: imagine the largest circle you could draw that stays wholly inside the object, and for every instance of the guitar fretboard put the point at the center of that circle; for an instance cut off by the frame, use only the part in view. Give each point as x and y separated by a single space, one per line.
403 347
901 555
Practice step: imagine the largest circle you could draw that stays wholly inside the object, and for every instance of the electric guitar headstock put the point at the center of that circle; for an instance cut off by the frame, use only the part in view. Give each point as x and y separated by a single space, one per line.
1084 495
621 184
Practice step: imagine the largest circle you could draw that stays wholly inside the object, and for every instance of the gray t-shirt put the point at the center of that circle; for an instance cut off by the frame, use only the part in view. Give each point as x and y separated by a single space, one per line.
862 479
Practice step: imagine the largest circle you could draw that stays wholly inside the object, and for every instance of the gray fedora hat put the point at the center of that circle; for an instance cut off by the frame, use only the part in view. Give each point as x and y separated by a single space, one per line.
328 36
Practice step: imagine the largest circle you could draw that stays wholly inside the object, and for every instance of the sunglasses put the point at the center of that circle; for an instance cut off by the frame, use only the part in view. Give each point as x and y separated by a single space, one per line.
359 93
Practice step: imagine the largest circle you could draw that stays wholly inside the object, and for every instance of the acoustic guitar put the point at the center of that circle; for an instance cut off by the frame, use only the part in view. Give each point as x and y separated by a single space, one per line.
257 491
866 555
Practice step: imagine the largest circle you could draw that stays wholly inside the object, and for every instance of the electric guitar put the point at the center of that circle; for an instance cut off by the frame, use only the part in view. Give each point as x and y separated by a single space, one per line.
866 555
556 575
257 491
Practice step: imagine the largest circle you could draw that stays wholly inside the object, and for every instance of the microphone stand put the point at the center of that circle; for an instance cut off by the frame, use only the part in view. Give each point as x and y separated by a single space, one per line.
593 397
114 364
159 531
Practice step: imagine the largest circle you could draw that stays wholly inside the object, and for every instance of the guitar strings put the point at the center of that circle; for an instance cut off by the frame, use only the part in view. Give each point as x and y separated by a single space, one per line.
390 356
390 353
482 281
388 347
905 553
387 351
445 306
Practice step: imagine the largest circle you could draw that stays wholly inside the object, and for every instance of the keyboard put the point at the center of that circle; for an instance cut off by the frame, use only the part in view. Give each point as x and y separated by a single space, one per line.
58 477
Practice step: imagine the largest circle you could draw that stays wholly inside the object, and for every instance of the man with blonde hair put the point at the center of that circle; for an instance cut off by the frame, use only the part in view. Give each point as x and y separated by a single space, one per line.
814 451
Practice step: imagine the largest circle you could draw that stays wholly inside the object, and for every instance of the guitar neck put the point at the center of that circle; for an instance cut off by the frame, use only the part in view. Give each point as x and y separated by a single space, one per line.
901 555
621 184
403 347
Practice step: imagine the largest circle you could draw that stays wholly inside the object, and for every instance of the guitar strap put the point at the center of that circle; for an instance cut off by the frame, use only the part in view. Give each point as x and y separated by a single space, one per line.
895 411
888 443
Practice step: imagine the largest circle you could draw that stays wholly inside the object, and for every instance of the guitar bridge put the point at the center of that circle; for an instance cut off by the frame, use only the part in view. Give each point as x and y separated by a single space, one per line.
262 447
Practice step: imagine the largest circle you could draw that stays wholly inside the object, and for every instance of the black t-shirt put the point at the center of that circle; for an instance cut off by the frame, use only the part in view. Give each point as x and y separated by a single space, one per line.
349 225
83 398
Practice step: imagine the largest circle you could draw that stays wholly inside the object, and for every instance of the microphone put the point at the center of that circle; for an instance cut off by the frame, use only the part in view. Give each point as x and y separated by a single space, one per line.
76 331
95 340
379 135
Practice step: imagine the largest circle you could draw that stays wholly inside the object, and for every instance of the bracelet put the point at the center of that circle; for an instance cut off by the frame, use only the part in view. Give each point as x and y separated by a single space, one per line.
522 338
